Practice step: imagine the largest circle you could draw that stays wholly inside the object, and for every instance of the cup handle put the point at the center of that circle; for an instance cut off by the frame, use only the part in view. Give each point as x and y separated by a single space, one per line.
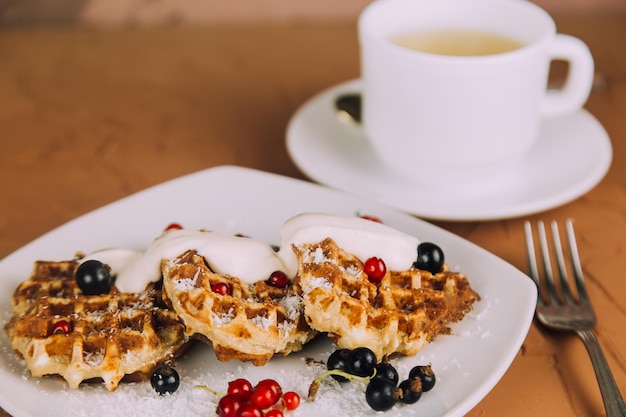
574 93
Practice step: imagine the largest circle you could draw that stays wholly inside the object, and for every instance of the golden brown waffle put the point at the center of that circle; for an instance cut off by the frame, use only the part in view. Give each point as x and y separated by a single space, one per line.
252 323
111 336
401 314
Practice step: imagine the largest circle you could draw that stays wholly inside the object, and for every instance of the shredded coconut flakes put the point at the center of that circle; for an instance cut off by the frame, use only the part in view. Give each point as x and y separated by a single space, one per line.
285 328
315 282
262 322
292 305
224 317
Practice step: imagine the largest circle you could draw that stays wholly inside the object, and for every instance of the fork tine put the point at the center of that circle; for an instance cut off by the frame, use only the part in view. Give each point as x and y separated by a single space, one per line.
576 265
547 266
530 249
560 262
532 258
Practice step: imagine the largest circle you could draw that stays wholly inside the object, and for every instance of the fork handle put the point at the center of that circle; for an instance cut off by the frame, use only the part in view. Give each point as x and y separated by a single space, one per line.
613 401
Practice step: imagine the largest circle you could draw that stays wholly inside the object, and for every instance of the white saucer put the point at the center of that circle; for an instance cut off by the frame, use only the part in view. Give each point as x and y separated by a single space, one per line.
571 157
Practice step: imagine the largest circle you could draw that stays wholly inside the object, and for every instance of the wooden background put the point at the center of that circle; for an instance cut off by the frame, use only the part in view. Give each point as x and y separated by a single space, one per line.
133 12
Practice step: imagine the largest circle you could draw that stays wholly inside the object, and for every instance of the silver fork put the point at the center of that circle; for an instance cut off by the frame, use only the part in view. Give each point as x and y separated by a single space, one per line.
569 312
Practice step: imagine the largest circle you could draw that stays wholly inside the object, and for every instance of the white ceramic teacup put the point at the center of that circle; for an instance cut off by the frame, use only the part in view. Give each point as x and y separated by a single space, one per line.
435 117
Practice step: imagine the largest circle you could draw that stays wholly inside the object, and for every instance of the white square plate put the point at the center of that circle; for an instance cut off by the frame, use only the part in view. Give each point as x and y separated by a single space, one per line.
467 363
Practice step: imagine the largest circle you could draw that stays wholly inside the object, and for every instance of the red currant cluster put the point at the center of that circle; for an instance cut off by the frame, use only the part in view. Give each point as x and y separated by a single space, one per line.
266 399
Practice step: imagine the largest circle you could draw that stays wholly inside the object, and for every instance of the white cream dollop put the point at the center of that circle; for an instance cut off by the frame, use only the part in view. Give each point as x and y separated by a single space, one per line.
361 237
248 259
116 258
252 260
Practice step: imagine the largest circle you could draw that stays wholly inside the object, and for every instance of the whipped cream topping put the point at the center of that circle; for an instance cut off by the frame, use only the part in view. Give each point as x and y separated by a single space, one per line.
252 260
361 237
248 259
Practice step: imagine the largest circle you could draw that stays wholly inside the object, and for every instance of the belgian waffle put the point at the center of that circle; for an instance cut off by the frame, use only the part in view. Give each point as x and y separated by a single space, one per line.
252 323
401 314
111 336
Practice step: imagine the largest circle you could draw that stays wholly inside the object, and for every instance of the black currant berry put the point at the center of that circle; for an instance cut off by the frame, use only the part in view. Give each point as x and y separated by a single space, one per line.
411 390
165 380
430 257
339 360
381 394
93 277
386 370
362 362
425 374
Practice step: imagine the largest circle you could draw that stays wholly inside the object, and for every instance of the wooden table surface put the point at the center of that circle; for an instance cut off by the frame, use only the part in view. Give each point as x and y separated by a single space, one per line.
88 116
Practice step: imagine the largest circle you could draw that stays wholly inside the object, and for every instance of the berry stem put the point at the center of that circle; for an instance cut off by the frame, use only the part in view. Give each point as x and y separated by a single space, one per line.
315 385
204 387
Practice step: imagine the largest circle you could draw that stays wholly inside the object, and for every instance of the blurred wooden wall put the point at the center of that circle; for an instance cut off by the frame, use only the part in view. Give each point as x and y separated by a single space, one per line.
147 12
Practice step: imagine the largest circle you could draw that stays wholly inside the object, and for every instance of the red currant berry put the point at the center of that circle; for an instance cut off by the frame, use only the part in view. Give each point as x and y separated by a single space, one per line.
250 410
266 394
241 388
221 288
375 269
61 327
274 413
291 400
278 279
273 385
372 218
229 406
173 226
